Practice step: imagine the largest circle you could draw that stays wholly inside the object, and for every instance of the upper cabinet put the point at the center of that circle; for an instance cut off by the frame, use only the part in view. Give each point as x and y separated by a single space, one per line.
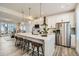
65 17
52 20
73 20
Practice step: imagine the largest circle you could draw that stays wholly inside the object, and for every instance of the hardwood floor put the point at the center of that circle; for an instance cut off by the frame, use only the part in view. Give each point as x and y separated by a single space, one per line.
63 51
7 48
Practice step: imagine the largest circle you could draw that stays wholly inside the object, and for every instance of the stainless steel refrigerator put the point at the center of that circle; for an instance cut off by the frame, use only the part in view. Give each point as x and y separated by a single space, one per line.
63 34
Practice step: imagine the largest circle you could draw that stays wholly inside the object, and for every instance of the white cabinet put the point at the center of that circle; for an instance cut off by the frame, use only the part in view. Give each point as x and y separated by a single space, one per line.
73 20
73 41
72 23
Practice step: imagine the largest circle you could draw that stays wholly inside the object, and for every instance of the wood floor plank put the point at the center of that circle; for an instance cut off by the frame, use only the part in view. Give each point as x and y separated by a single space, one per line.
63 51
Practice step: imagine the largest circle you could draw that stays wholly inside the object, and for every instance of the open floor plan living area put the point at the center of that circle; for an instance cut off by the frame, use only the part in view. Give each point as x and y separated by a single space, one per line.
39 29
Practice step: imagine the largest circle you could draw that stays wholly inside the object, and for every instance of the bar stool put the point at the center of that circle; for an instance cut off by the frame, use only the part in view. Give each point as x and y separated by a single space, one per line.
17 42
25 42
26 45
37 45
21 42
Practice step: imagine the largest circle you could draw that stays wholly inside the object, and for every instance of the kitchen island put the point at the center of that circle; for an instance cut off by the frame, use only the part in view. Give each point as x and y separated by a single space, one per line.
48 42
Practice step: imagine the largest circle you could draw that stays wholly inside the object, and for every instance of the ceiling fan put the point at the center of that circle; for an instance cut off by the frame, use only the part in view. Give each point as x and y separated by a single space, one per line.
31 17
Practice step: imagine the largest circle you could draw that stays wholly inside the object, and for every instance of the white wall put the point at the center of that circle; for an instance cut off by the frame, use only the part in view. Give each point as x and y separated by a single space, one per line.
77 28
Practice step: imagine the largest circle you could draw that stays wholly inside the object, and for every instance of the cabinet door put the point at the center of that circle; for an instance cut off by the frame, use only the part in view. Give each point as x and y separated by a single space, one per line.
73 43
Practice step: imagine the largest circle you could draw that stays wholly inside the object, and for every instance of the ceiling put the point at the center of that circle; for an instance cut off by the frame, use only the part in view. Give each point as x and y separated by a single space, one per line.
13 11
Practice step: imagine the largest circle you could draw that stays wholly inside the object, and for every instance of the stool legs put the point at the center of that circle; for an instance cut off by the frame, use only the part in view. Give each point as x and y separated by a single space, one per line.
42 50
28 46
33 50
38 51
16 42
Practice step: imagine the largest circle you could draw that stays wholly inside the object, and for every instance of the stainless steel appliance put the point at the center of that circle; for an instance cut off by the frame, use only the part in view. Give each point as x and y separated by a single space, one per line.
63 34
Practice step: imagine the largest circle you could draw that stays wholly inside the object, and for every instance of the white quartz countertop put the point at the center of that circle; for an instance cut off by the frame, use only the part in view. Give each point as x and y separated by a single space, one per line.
34 36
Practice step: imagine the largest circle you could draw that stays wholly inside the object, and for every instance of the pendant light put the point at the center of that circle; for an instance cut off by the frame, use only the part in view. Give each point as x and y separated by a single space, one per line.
44 21
29 11
23 15
40 10
44 25
30 17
